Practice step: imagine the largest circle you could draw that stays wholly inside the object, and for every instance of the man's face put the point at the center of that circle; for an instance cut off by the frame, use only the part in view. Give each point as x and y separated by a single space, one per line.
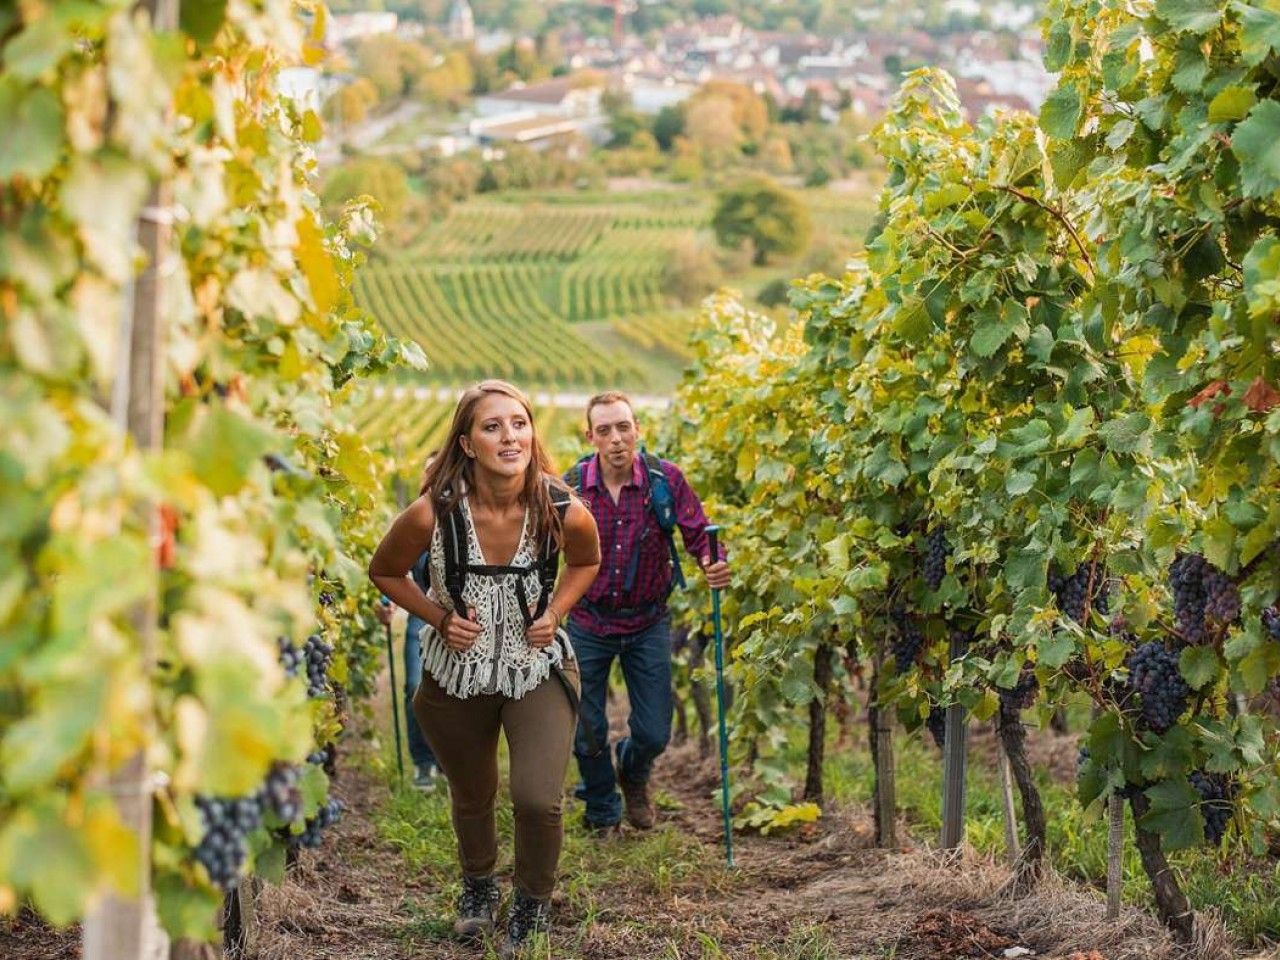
614 433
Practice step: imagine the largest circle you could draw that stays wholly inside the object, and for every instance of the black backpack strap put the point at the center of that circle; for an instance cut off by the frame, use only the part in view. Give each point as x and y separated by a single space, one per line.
549 562
457 556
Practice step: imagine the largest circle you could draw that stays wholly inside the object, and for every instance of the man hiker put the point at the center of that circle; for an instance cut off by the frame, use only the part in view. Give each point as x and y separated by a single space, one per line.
637 501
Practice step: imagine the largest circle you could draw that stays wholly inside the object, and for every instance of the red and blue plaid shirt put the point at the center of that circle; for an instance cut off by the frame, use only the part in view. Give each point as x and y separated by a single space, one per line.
620 524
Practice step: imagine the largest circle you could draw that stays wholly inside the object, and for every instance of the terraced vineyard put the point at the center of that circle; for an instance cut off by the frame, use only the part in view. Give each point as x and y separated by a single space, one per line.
565 292
494 288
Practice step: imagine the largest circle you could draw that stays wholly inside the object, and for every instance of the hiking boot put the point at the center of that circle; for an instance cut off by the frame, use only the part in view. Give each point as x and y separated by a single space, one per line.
641 813
529 918
604 832
477 907
425 778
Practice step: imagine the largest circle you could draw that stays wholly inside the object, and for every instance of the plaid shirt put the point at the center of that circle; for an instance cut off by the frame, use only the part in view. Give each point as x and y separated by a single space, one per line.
620 525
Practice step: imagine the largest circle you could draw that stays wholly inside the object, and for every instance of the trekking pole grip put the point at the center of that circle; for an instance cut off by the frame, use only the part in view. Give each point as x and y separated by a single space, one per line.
713 538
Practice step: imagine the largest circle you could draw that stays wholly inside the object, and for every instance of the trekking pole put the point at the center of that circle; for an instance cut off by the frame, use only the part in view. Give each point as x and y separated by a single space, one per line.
713 534
395 703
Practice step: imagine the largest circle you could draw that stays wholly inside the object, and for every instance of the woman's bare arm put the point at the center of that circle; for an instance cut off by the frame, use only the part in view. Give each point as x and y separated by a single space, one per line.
409 536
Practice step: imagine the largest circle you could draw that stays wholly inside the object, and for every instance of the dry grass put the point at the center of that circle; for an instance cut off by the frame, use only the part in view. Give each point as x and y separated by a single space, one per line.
1056 919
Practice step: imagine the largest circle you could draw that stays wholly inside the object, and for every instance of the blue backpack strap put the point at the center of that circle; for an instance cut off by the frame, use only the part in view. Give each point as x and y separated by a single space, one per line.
663 504
576 476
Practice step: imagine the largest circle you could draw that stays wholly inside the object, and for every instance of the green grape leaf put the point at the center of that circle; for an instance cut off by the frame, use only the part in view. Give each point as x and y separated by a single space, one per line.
1129 434
225 447
1231 103
1061 111
1260 30
1256 143
1193 16
202 21
1198 666
1173 814
184 910
1172 754
40 852
32 122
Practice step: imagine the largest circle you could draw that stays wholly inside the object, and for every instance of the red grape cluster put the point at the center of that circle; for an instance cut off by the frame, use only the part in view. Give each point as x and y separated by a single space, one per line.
1203 597
1023 693
908 639
936 551
1154 676
1072 592
1215 803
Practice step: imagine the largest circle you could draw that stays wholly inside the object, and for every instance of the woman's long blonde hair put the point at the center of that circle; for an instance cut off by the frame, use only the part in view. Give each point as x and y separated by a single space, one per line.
452 473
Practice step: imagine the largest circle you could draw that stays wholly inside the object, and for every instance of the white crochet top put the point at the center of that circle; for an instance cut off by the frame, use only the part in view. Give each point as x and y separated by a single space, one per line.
501 660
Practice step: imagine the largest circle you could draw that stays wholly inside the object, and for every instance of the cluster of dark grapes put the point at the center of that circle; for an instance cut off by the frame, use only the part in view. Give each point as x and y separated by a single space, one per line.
1023 693
325 817
1154 676
291 658
1215 803
280 793
1271 622
1203 596
318 654
908 640
936 723
326 598
320 757
936 551
225 844
1072 592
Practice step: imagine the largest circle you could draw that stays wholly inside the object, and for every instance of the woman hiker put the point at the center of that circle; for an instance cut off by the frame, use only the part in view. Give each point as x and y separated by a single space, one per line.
495 653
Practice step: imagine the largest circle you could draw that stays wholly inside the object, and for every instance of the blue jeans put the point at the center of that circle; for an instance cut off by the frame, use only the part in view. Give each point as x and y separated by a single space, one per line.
419 751
646 667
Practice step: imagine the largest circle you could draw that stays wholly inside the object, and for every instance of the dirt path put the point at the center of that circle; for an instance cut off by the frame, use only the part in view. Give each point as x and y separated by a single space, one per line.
824 894
821 894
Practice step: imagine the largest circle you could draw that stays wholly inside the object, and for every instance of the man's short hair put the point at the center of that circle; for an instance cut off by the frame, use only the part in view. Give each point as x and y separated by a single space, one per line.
609 396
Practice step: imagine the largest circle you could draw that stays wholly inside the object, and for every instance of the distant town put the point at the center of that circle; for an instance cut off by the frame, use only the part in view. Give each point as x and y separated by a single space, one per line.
855 72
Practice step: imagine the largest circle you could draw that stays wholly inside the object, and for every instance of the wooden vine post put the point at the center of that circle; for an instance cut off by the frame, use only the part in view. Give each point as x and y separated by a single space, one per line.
954 764
118 928
1012 848
823 668
1115 854
881 735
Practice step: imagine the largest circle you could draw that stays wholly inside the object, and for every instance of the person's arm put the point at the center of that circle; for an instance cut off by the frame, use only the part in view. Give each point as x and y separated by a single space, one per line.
389 568
581 562
693 523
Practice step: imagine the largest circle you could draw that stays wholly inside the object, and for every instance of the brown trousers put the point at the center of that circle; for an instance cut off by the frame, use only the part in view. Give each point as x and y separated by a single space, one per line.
463 734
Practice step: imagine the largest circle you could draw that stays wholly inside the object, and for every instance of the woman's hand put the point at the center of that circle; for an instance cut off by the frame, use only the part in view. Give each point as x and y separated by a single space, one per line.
460 633
542 631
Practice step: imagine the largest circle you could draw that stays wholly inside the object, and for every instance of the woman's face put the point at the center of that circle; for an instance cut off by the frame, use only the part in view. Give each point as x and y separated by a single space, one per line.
501 436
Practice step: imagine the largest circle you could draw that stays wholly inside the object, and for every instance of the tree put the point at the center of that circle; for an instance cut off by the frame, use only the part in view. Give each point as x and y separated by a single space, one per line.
667 125
381 179
772 218
691 272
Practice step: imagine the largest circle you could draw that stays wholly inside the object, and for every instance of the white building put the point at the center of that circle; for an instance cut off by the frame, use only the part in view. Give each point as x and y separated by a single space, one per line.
461 27
559 97
652 94
353 27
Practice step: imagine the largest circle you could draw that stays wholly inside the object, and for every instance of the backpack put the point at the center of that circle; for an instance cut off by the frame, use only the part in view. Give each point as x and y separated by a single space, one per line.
662 503
457 561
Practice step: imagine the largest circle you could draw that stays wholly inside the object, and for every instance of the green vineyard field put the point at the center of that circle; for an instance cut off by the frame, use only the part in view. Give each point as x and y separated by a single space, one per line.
497 287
